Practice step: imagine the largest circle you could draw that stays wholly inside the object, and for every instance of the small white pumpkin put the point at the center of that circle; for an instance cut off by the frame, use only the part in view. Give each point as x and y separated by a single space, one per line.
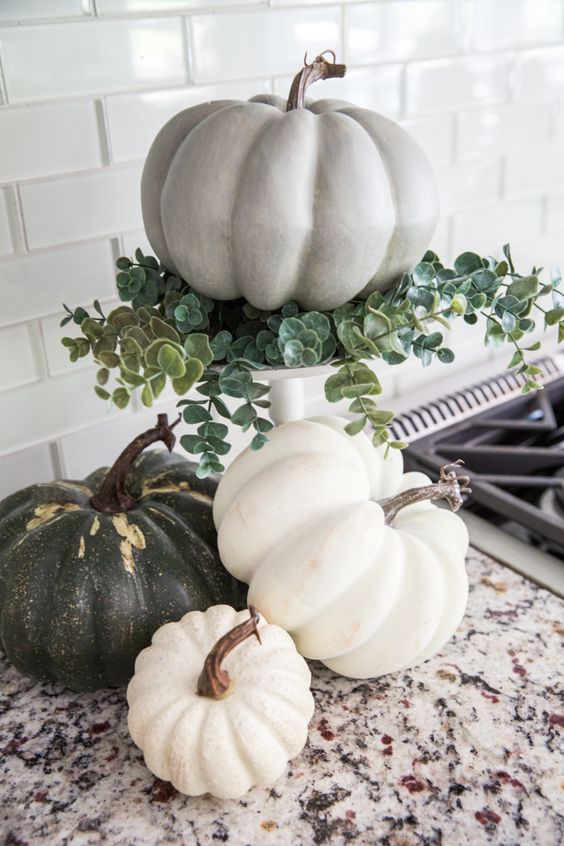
312 522
213 729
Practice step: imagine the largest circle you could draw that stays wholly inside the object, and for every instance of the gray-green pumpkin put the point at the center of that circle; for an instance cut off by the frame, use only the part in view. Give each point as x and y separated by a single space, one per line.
274 200
90 569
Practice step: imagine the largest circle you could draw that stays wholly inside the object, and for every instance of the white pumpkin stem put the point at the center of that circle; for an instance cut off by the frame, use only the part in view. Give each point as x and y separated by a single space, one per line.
449 487
113 498
320 68
214 682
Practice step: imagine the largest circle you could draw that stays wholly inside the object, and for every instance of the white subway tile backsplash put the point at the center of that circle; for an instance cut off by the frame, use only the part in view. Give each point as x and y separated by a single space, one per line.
37 284
26 10
463 186
435 135
486 230
533 170
539 74
501 128
440 242
455 83
18 362
131 240
86 450
6 245
545 252
43 410
555 216
308 2
377 88
63 59
479 84
402 30
557 129
41 140
57 356
259 43
118 7
501 24
25 467
81 207
149 111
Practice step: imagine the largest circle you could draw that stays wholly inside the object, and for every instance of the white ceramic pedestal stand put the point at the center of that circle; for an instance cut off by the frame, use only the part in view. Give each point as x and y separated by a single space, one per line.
287 390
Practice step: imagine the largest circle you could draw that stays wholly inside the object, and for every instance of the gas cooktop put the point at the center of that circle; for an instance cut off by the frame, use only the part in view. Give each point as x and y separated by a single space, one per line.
513 449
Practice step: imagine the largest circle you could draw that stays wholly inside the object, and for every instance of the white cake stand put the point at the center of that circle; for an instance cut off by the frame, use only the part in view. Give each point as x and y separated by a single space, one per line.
287 389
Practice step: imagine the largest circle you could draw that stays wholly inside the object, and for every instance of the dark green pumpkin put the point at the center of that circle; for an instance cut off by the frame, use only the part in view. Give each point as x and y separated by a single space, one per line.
84 588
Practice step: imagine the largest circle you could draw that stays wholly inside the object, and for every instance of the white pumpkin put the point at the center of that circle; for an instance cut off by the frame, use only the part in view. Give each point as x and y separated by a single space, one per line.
213 729
319 203
366 588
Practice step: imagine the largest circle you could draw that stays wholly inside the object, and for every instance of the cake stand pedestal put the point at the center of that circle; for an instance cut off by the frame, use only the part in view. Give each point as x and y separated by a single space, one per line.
287 390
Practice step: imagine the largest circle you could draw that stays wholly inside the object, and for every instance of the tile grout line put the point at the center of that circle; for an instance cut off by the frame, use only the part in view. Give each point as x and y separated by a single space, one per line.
3 87
17 222
57 459
39 349
104 135
188 50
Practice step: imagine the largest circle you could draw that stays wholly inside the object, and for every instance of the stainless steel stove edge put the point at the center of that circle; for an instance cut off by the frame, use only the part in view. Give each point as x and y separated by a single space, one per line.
536 565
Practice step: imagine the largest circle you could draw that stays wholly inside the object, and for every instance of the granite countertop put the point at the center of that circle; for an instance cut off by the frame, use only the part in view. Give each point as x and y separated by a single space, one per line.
461 750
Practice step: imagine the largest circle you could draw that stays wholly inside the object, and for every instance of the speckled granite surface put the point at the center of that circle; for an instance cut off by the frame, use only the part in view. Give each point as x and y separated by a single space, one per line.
462 750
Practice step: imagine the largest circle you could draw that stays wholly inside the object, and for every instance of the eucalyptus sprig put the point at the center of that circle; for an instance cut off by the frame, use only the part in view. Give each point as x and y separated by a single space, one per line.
171 333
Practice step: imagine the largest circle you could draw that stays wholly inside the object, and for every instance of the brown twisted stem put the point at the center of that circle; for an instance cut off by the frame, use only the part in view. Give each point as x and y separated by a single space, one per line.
113 498
320 68
214 682
449 487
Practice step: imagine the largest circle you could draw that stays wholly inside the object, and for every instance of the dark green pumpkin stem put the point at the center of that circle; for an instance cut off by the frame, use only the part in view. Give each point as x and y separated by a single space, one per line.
113 498
214 682
320 68
449 487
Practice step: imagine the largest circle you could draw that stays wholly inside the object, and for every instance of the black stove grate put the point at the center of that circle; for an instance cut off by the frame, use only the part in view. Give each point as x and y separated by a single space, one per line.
512 446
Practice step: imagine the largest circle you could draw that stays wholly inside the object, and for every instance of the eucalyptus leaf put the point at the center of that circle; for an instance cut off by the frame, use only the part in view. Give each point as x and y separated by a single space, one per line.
212 429
196 414
109 359
166 330
524 288
197 345
101 392
258 441
355 426
467 263
193 443
171 362
161 329
555 315
120 397
193 370
244 414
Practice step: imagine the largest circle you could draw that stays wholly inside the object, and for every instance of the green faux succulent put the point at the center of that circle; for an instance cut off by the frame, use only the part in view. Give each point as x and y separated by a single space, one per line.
169 332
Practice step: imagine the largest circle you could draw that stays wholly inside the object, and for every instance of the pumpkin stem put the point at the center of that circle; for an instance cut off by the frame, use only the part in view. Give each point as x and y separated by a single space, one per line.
449 487
214 682
320 68
112 498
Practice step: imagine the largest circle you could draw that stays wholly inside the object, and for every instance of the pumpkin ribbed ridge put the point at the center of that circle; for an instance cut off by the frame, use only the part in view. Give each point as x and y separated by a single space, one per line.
364 597
219 746
82 591
224 190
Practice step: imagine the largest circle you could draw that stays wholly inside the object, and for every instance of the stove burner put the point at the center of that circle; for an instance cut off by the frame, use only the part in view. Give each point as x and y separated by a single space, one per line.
514 455
559 492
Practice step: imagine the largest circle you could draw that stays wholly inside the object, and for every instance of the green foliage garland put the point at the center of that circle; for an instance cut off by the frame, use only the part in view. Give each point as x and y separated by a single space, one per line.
169 332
